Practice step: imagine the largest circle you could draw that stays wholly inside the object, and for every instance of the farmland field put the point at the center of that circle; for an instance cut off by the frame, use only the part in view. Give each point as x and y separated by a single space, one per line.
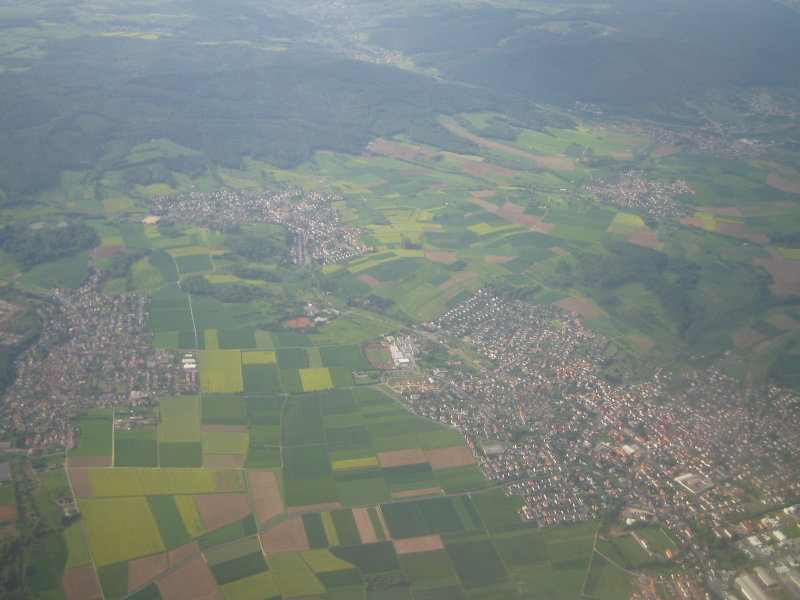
120 529
316 379
145 482
221 371
179 419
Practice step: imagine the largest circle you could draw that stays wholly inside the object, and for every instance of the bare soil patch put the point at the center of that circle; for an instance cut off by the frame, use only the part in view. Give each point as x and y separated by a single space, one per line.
225 429
695 221
516 214
491 207
643 237
497 259
395 150
218 510
622 155
224 461
785 273
192 581
454 456
8 512
106 251
422 492
81 583
548 162
559 250
89 461
784 321
458 278
440 256
783 184
369 280
313 507
744 338
142 570
642 341
81 484
542 227
727 211
771 342
732 229
374 183
398 458
583 307
8 531
287 536
418 544
364 525
266 495
181 552
382 520
662 150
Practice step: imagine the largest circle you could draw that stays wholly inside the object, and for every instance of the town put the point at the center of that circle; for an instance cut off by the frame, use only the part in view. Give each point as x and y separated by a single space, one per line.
92 352
573 444
316 234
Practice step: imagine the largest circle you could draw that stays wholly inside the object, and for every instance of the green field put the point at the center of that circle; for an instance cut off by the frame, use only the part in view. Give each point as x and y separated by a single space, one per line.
120 529
93 432
146 482
221 371
316 379
179 419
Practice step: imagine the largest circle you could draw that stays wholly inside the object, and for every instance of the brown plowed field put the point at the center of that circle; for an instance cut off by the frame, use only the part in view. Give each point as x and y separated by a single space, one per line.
369 280
8 512
454 456
785 322
548 162
783 184
583 307
266 495
458 278
89 461
81 484
192 581
516 214
497 259
107 251
178 554
484 204
785 273
218 510
287 536
364 526
224 461
746 337
142 570
398 458
224 429
642 341
312 507
422 492
440 256
81 583
418 544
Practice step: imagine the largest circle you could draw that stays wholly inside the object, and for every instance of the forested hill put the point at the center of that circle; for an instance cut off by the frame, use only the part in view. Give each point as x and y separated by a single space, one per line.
626 55
87 100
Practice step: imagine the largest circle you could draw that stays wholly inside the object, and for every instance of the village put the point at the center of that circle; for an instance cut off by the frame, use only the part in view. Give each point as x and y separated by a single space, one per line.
313 223
92 352
573 445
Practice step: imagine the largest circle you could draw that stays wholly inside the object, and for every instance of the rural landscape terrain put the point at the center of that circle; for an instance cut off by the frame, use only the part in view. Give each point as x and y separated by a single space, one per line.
393 300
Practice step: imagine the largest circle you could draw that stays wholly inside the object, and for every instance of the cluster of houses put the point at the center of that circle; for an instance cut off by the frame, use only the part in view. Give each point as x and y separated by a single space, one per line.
93 352
312 220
